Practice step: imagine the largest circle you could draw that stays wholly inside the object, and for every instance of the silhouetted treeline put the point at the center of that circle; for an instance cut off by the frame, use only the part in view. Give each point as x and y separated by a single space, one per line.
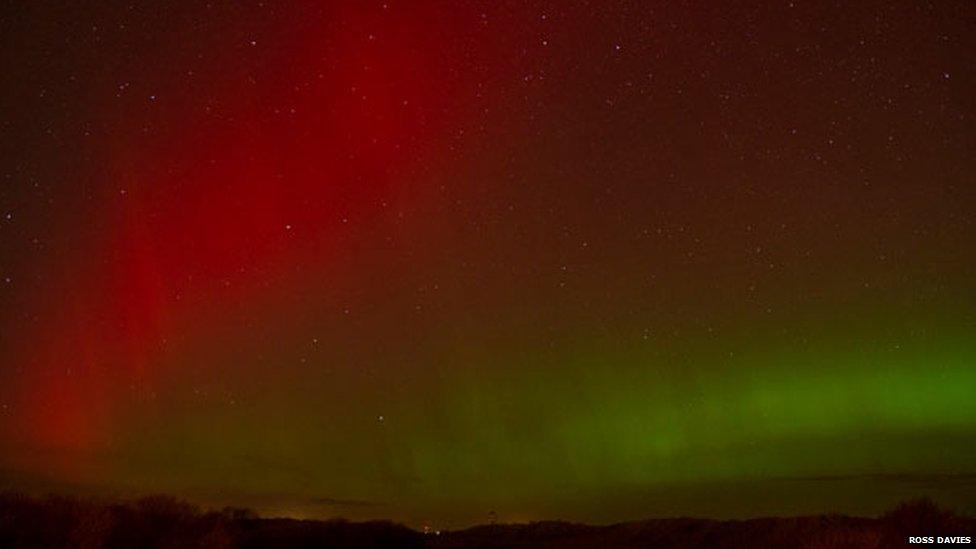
164 522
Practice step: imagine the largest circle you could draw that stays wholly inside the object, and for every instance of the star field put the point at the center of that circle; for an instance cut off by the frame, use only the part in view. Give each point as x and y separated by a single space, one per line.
591 260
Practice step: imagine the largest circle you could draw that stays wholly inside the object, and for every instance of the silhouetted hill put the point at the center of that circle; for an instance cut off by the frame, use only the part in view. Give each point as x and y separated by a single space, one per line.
164 522
916 518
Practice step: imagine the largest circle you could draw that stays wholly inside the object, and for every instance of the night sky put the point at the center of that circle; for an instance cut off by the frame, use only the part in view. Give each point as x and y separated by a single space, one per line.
427 260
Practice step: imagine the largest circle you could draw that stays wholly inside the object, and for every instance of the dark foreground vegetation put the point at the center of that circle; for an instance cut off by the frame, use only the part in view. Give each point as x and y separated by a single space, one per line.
161 521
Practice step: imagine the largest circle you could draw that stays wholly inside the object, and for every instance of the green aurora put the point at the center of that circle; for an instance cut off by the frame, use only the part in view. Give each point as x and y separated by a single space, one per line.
593 261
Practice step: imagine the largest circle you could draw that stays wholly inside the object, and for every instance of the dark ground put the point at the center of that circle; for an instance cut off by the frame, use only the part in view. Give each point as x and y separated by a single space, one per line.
162 521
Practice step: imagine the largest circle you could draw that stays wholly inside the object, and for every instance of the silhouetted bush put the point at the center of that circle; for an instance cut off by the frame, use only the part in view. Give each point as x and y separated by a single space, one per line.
923 517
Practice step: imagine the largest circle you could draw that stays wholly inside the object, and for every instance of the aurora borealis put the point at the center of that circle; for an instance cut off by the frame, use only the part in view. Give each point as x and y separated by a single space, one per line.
427 260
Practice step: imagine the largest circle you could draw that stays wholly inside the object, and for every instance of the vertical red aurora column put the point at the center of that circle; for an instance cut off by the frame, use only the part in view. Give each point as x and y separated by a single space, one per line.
242 183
